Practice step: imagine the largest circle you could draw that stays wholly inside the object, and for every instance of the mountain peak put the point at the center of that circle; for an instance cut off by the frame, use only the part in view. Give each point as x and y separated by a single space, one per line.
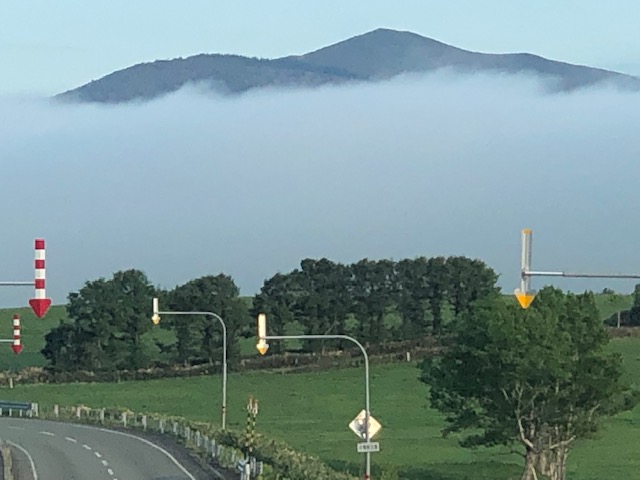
372 56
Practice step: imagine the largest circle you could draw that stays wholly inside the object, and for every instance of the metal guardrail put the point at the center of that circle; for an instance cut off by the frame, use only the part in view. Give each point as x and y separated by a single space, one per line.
191 435
7 407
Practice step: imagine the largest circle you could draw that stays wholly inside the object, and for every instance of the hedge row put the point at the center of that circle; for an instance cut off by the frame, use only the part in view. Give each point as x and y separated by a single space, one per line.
299 362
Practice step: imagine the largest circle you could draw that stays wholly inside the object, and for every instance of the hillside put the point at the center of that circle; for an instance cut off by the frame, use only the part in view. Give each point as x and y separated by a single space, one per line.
378 55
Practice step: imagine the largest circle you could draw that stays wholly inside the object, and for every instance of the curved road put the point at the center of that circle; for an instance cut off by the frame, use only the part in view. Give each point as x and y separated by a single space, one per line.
63 451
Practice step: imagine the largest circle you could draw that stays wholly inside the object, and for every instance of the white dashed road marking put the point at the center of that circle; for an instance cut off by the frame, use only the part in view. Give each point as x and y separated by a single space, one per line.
48 434
86 447
71 439
98 454
12 427
110 471
105 463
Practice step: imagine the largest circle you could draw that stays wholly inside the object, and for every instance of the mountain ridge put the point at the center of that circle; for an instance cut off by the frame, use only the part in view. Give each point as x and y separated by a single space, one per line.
378 55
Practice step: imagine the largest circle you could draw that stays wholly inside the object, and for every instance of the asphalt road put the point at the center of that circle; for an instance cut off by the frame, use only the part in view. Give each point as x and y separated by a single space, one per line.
62 451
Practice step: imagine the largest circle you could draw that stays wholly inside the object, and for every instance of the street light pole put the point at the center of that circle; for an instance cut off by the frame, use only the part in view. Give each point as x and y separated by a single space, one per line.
262 343
156 319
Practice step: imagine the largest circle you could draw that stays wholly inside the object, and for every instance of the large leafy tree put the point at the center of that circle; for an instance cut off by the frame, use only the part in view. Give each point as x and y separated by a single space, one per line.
200 337
109 319
536 379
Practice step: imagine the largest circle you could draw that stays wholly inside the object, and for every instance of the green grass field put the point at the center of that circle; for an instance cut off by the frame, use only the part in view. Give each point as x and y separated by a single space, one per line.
33 330
311 412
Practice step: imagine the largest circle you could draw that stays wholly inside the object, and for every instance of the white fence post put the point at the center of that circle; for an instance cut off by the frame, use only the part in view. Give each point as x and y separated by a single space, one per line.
144 422
124 419
102 415
56 411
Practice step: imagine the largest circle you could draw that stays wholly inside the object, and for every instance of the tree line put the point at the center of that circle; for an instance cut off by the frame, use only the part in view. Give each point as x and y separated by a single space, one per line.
109 325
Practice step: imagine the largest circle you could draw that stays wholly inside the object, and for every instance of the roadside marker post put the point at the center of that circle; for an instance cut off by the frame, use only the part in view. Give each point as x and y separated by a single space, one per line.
16 341
40 303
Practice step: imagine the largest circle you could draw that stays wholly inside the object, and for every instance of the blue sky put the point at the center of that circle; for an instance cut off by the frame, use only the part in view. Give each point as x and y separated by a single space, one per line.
195 184
50 46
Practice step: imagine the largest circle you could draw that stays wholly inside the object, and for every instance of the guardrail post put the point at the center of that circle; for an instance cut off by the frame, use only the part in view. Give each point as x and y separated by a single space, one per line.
161 426
102 415
56 411
124 419
144 422
175 428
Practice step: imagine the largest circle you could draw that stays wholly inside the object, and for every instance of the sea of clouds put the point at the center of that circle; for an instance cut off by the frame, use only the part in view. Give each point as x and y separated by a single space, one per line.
198 183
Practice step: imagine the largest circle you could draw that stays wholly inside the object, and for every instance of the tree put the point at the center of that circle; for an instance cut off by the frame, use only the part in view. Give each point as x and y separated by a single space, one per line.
437 283
62 349
537 379
413 295
467 281
109 319
201 337
276 300
324 300
374 290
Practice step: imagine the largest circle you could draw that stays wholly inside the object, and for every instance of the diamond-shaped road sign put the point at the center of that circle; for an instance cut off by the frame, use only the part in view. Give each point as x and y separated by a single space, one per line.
358 427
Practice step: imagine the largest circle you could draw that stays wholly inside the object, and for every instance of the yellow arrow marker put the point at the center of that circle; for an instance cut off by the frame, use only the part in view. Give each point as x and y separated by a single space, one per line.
262 347
524 299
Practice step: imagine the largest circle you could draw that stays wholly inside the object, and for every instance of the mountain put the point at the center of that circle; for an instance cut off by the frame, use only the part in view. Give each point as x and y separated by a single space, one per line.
378 55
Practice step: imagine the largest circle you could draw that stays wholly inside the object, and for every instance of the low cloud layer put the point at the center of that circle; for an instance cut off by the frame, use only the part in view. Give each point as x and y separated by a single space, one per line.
197 184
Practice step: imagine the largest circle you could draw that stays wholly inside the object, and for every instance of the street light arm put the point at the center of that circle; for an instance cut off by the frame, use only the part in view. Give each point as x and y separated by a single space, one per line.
339 337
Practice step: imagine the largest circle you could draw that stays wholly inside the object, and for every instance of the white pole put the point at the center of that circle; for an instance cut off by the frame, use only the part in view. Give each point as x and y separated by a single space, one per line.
224 352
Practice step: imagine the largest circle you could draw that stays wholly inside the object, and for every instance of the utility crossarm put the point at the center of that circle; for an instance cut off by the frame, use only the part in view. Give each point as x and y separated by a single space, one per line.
525 294
578 275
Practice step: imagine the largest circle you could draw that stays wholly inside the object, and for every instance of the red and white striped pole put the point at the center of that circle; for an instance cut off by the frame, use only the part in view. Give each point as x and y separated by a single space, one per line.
40 304
17 344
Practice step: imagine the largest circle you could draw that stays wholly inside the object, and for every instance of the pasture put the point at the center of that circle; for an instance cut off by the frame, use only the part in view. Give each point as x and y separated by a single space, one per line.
311 411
